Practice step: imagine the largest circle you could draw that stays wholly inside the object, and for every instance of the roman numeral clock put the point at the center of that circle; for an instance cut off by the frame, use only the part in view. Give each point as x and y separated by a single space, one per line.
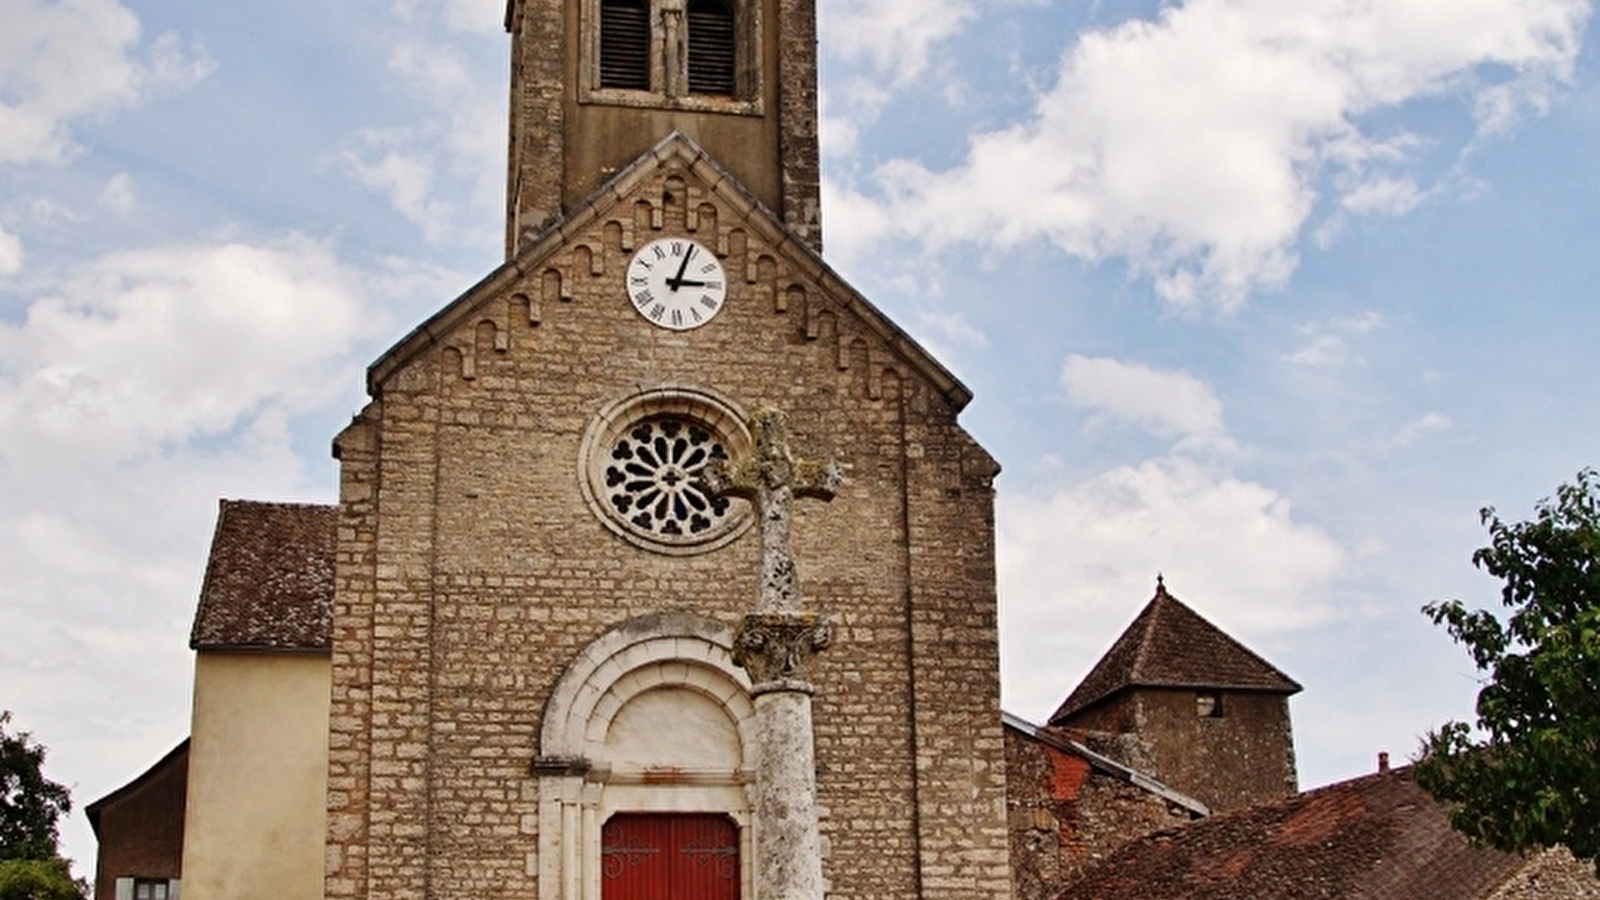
676 283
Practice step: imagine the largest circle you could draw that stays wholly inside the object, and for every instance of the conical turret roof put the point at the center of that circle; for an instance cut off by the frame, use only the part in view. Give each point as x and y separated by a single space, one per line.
1170 645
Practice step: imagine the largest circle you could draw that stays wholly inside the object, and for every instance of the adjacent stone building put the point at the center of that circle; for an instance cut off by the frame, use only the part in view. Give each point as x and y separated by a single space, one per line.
1070 807
1177 698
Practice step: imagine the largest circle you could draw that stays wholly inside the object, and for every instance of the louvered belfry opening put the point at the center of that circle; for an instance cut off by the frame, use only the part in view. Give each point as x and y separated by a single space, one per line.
625 44
711 47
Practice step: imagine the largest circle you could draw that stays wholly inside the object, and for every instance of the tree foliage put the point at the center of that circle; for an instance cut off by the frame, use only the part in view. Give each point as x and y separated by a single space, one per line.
1529 775
30 804
39 879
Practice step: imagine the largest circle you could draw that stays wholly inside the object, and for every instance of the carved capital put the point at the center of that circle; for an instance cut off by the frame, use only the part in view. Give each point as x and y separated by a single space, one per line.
776 649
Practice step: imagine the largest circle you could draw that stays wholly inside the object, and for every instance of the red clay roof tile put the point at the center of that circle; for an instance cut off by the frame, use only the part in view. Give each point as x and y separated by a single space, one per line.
1378 837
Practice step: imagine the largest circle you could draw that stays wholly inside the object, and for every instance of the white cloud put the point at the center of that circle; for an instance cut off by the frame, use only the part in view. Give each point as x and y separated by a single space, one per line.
837 134
955 328
1197 145
135 390
1422 426
1323 350
481 16
1168 404
120 194
884 47
407 179
11 255
1076 565
72 59
143 349
1327 343
894 38
445 172
1383 196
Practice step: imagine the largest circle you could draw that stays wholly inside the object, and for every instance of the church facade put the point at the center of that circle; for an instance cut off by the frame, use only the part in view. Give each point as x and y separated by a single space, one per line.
535 595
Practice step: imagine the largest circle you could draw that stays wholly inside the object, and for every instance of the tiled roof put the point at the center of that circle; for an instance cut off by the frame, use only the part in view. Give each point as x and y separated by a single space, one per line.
1372 838
1169 645
269 582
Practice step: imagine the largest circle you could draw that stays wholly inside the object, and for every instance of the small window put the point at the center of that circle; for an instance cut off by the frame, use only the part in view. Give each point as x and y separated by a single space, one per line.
625 44
149 889
1208 705
712 52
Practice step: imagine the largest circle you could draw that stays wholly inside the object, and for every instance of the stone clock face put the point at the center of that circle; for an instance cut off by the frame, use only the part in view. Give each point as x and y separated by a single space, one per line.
676 283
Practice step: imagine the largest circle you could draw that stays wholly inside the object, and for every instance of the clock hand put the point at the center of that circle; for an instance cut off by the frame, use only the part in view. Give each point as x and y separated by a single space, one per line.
677 281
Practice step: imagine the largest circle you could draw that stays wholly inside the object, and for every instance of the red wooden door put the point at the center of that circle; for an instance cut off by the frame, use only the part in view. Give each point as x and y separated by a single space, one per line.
651 856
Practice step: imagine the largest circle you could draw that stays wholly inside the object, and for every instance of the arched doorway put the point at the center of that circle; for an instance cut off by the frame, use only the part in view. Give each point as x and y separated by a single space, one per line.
646 766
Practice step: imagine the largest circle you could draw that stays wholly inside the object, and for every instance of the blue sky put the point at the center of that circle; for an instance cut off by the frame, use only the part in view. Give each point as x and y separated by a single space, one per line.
1269 298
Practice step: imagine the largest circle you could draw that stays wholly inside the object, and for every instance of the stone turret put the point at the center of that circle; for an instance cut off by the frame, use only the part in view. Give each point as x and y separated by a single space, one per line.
1179 699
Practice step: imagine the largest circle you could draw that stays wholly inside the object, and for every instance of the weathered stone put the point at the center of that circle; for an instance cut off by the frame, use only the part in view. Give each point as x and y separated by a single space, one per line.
775 645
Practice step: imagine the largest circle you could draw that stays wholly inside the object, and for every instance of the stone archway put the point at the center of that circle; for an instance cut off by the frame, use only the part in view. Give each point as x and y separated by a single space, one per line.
651 718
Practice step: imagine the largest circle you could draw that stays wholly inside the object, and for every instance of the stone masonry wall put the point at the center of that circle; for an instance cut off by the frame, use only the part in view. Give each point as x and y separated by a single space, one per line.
1243 757
471 570
1064 815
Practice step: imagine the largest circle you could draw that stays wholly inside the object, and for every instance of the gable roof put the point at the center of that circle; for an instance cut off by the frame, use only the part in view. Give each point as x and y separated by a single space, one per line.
1375 837
269 581
1170 645
675 149
177 756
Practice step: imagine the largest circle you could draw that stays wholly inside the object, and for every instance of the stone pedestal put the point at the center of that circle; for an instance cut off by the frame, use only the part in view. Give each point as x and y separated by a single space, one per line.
775 649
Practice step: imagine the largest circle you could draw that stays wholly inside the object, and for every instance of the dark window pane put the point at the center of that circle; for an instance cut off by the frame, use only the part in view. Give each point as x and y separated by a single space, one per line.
625 44
711 47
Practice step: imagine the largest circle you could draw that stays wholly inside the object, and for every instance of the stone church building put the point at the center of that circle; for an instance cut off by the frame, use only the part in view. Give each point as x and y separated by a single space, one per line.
530 686
661 565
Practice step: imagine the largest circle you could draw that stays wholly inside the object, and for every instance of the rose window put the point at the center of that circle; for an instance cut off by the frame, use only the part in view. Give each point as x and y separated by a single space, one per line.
640 466
652 478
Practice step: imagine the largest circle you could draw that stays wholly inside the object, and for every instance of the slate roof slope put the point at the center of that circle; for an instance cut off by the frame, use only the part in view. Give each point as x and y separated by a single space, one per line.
1170 645
1378 837
269 581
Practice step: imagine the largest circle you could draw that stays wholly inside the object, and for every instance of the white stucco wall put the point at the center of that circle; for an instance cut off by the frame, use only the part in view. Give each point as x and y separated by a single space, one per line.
258 776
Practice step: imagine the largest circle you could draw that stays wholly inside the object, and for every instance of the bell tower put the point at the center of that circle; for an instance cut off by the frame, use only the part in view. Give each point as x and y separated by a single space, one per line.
596 83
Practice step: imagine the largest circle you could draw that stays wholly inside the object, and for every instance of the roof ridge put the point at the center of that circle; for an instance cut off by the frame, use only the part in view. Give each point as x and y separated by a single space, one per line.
1169 645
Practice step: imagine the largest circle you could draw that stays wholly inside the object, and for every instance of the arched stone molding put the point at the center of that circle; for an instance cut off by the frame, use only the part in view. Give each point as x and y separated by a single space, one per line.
653 716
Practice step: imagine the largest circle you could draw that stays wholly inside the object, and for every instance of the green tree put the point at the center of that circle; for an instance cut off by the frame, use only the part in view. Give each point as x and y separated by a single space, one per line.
31 867
30 804
1528 776
39 879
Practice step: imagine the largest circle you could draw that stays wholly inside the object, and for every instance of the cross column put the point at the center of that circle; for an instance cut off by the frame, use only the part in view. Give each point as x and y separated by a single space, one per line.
775 644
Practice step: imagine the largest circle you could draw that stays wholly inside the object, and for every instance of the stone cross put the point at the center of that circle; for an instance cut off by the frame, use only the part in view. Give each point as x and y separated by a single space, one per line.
770 479
775 645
